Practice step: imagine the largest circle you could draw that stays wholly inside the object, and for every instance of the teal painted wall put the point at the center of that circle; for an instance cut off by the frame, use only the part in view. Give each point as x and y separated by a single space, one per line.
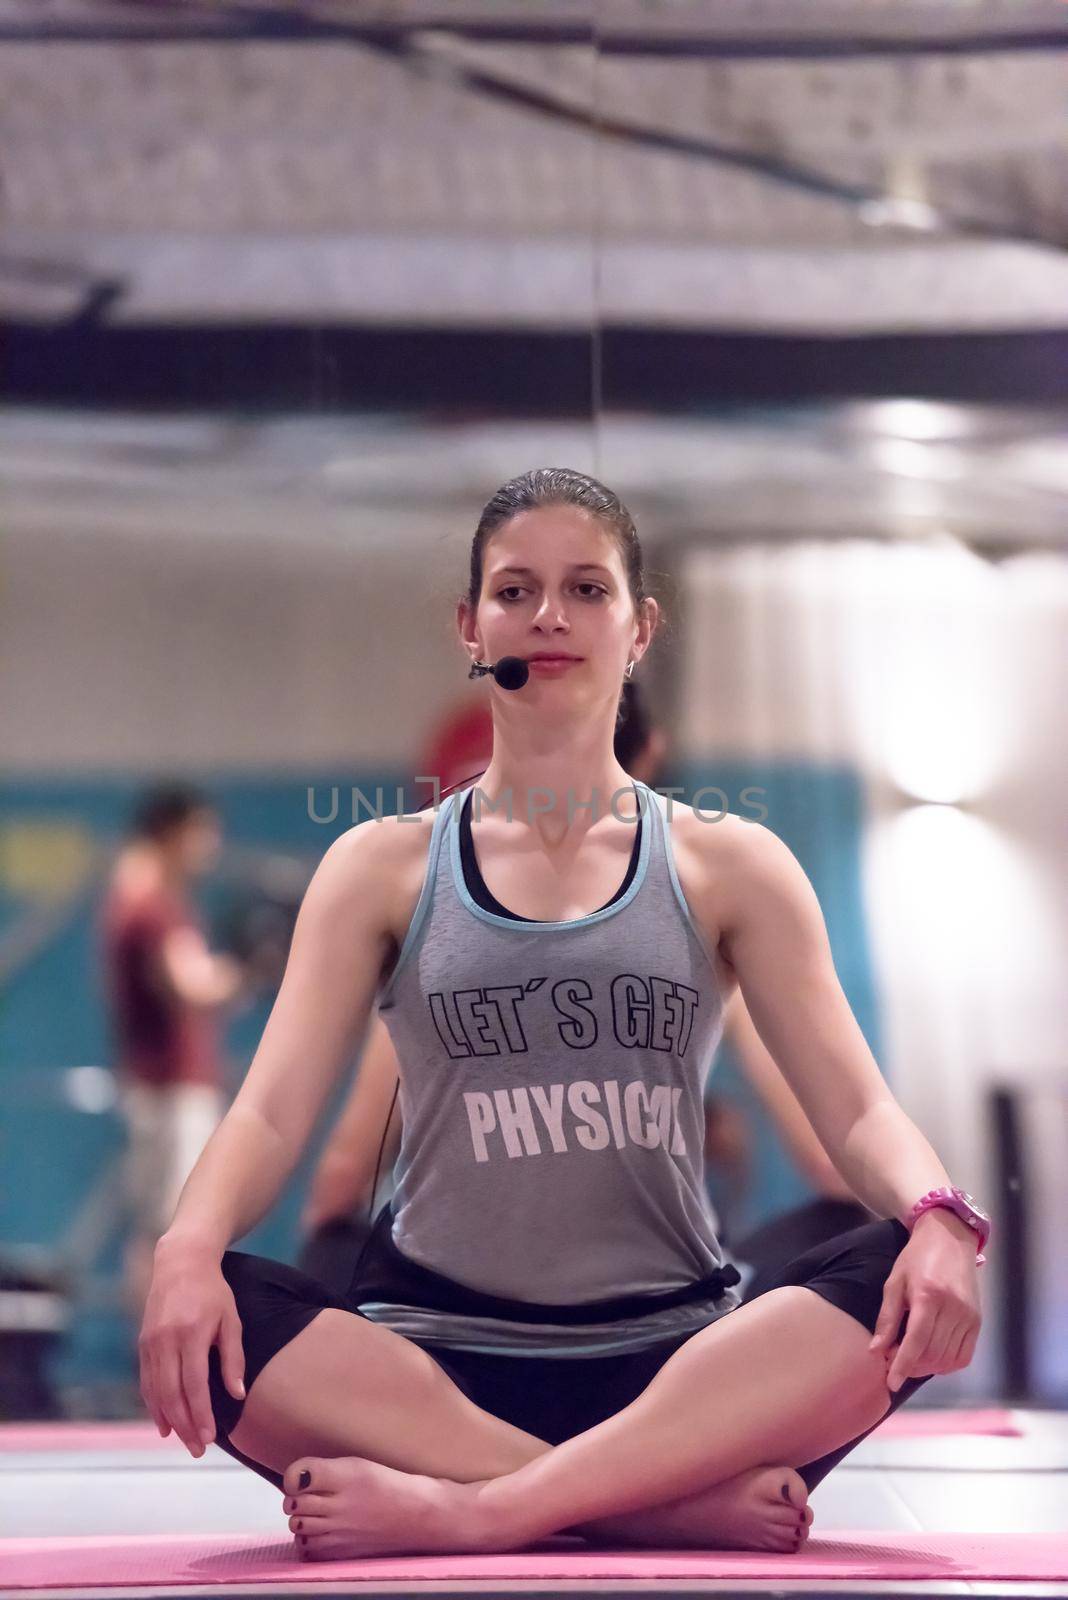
52 1017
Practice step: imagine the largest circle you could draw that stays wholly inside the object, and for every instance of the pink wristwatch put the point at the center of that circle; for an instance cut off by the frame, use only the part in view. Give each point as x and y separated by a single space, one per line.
960 1201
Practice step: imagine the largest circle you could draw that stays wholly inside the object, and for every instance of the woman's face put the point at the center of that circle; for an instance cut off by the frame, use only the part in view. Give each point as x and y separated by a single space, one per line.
553 583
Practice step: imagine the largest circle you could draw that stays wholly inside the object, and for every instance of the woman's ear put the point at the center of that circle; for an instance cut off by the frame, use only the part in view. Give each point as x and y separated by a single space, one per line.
464 623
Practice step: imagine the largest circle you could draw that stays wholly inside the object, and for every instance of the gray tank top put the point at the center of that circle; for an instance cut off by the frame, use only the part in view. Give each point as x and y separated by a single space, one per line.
552 1096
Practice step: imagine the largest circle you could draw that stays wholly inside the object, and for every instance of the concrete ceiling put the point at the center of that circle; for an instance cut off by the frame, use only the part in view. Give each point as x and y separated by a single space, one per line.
711 164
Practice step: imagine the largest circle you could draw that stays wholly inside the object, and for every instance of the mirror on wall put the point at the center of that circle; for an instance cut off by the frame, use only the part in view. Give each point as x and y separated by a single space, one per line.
288 292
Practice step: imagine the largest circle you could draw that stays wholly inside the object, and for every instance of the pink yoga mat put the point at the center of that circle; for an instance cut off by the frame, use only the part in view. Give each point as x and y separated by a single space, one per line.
135 1435
139 1435
906 1424
258 1559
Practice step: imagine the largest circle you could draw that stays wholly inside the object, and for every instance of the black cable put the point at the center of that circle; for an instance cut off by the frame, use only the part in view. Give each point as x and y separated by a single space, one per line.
439 795
773 169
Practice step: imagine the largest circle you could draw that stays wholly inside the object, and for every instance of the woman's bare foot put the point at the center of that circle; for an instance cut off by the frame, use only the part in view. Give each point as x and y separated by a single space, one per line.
347 1506
747 1512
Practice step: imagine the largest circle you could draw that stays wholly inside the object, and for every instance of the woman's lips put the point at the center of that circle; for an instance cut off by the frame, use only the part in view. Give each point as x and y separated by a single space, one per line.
552 664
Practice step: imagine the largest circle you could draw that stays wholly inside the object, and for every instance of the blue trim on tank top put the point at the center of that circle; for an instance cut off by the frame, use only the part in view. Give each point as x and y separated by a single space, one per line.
422 905
533 926
662 802
445 814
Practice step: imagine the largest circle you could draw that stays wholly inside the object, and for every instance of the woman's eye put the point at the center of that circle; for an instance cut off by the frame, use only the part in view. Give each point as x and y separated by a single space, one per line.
505 594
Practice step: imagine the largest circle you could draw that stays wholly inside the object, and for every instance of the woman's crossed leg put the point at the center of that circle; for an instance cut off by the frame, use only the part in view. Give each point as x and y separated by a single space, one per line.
344 1395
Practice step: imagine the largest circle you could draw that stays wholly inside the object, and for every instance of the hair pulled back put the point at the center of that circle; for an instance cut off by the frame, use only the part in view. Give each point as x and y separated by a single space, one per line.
559 486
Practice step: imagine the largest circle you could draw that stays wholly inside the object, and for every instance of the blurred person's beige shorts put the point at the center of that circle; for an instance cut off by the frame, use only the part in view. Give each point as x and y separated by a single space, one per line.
167 1128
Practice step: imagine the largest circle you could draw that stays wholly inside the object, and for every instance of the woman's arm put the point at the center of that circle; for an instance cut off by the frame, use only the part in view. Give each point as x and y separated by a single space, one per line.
340 941
773 934
782 1104
346 1169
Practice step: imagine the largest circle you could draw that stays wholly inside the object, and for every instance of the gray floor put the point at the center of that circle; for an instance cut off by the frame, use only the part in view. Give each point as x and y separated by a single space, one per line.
956 1483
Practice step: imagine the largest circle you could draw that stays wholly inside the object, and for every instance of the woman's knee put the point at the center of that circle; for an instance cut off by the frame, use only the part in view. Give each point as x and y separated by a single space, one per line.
274 1303
851 1270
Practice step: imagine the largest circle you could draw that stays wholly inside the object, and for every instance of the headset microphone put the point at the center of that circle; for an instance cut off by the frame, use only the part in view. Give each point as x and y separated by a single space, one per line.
511 672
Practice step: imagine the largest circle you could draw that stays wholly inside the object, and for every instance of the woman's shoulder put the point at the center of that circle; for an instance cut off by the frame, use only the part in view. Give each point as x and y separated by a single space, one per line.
736 862
721 850
368 870
379 854
386 842
715 836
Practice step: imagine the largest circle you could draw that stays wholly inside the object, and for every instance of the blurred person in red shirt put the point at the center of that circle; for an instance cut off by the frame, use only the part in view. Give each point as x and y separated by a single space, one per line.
164 989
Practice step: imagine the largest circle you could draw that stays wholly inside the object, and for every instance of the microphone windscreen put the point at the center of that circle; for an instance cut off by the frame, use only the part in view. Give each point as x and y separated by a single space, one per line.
511 672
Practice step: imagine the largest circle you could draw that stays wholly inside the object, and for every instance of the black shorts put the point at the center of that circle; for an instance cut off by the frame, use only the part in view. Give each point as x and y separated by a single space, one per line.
551 1397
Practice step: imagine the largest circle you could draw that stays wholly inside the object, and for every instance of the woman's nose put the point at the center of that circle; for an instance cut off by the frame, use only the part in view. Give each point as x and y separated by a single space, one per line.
551 610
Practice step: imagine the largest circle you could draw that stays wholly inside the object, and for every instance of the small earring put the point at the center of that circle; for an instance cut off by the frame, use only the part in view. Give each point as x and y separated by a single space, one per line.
630 669
479 669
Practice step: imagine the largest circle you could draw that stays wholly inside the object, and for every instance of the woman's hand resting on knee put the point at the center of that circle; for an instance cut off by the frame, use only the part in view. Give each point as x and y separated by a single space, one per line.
935 1282
190 1307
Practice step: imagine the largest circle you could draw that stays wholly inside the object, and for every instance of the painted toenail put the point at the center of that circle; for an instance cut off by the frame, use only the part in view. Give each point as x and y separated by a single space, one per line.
305 1479
786 1492
300 1524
